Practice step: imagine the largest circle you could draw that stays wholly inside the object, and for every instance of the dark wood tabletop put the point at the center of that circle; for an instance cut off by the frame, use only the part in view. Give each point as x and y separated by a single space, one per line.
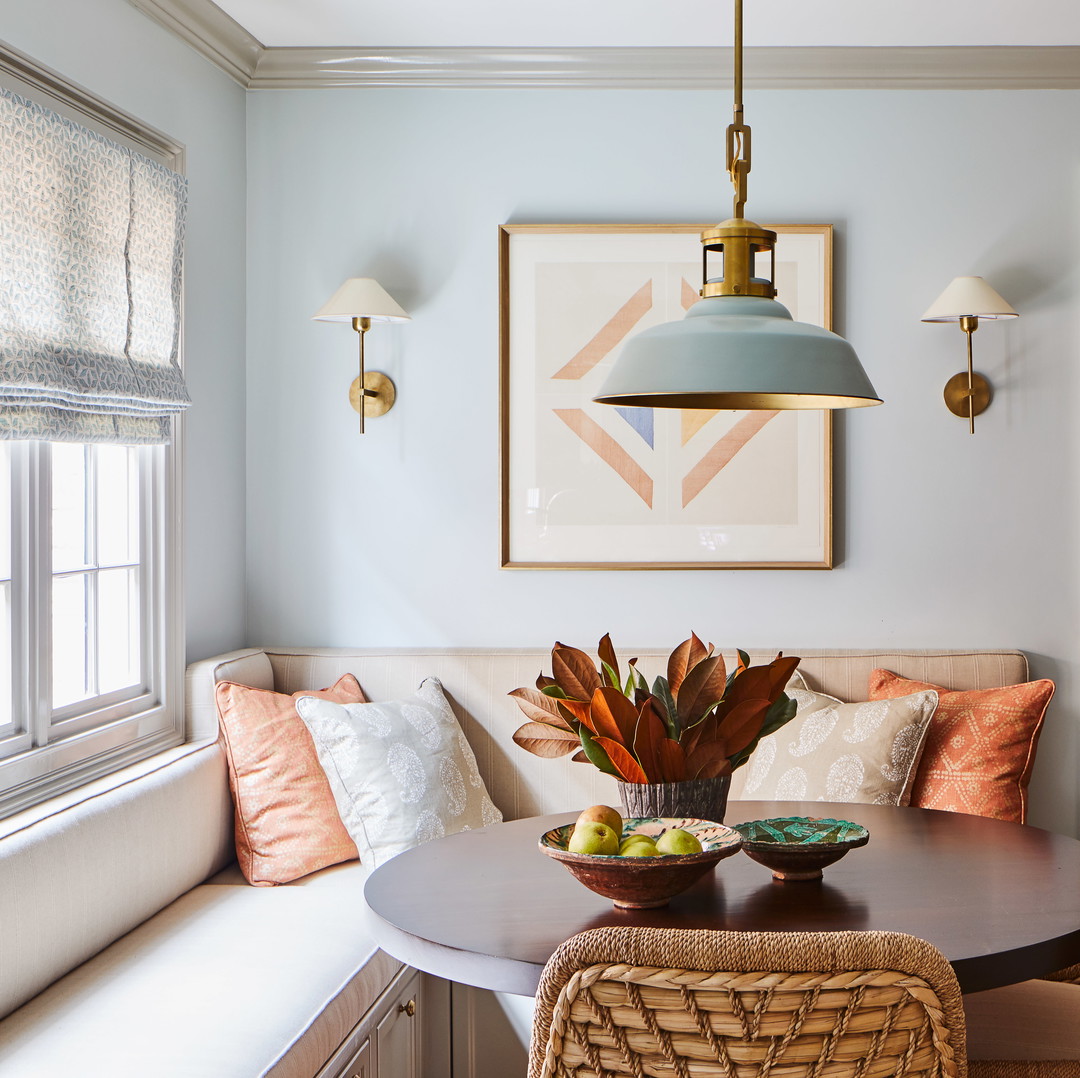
1001 900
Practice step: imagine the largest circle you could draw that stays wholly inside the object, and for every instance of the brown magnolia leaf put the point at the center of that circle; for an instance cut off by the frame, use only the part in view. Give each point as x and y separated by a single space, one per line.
709 761
743 723
701 690
781 669
540 708
606 652
677 665
672 761
614 716
628 768
546 741
580 757
753 682
580 710
543 681
649 733
698 651
574 672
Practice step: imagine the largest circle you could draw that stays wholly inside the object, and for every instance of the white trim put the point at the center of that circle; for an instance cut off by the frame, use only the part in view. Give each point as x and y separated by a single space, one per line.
223 41
663 68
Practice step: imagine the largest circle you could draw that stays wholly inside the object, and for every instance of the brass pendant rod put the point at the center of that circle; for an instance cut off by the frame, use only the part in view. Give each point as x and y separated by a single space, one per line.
738 134
738 60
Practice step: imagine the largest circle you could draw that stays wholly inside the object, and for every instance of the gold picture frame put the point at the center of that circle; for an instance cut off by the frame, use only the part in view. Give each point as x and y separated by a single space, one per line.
589 486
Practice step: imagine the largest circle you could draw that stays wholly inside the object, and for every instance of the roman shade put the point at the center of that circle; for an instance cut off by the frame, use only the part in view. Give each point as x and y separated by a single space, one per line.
91 245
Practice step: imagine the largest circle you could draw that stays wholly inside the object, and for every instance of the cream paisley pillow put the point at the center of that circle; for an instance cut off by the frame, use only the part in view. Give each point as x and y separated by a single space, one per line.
863 753
401 773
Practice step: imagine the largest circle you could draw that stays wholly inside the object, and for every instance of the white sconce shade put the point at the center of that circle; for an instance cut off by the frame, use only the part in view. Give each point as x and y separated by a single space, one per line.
966 297
360 297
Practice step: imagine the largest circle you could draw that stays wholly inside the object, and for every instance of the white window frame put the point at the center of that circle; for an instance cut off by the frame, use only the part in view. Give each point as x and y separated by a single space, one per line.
123 729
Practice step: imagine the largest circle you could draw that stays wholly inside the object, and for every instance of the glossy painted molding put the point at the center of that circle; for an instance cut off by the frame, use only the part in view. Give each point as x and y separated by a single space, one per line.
204 26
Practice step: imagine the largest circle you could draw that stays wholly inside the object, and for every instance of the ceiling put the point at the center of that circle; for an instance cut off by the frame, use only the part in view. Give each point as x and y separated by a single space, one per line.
630 23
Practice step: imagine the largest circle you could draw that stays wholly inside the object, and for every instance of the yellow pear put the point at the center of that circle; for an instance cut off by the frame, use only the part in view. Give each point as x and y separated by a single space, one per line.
604 814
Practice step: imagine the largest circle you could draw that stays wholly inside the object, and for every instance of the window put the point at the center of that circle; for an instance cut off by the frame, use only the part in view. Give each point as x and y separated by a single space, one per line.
91 658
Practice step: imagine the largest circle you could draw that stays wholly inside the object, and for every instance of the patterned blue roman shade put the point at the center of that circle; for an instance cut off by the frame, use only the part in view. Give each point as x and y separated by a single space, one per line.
91 247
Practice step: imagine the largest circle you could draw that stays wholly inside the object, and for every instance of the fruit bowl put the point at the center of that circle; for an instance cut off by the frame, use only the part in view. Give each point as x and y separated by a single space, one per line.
642 883
799 847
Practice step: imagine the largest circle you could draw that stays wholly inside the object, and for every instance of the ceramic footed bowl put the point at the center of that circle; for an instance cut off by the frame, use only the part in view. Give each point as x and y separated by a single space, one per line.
799 847
644 882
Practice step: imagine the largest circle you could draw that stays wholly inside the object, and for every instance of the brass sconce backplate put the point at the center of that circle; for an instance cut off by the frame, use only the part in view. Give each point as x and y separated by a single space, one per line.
380 395
956 394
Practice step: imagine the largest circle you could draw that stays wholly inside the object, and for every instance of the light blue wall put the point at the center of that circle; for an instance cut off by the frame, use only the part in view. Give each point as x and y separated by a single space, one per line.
392 539
119 54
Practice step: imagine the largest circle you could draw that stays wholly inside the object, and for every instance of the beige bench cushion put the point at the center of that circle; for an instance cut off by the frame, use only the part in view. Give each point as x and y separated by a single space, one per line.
229 981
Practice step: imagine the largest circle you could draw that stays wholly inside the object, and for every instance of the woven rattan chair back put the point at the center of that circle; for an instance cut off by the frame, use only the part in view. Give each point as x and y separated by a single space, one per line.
640 1002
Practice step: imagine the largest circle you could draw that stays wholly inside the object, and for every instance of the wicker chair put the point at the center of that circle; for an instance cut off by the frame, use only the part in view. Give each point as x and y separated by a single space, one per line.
639 1002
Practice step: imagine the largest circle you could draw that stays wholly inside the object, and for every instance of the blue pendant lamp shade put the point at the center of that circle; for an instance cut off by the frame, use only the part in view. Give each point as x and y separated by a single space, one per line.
742 352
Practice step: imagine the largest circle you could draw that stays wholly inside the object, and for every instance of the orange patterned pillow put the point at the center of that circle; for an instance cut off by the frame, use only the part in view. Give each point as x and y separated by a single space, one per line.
980 747
287 824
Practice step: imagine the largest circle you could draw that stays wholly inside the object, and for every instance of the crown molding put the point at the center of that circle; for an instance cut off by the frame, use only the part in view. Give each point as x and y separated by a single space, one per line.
204 26
686 68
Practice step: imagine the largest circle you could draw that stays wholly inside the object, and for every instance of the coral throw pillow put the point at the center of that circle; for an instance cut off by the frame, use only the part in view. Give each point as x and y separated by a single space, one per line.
980 747
287 823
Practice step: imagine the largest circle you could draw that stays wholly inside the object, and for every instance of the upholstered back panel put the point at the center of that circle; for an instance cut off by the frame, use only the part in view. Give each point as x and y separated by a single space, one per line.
478 680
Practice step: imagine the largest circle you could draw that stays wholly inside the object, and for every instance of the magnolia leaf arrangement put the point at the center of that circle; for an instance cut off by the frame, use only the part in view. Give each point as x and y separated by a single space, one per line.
698 722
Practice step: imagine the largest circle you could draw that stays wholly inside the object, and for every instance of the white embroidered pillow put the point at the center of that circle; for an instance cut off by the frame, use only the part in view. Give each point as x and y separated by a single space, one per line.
401 773
863 753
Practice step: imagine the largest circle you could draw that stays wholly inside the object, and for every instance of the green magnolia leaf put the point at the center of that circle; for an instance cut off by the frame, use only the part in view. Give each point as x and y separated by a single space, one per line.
554 690
670 714
611 677
597 757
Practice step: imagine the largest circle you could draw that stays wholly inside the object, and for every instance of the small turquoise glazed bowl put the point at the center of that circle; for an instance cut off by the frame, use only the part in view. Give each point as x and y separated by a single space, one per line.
642 883
799 847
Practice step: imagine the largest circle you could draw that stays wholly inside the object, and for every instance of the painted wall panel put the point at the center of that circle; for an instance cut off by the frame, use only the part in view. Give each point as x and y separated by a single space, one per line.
392 539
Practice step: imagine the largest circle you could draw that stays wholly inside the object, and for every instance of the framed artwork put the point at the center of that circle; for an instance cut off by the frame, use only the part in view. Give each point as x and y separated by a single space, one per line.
591 486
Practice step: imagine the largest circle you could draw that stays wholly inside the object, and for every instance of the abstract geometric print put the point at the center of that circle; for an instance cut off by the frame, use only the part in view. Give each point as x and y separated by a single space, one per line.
622 484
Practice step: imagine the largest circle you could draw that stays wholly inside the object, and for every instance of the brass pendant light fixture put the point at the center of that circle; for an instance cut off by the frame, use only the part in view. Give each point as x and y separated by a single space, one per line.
737 347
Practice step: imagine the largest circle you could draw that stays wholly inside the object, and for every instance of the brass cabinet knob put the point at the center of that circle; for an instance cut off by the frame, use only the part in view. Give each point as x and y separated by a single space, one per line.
407 1008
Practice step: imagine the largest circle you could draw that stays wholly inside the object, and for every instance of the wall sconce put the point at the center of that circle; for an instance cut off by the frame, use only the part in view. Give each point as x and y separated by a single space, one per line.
362 301
966 300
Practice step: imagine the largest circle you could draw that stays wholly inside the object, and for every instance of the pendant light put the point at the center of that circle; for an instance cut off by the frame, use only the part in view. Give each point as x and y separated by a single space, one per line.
737 347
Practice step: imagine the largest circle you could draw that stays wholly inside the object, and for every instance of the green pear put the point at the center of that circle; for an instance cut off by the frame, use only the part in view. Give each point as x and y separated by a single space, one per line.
594 838
678 842
638 846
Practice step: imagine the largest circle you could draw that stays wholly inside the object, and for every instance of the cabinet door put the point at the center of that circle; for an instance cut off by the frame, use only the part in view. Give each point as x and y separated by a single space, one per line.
362 1065
397 1036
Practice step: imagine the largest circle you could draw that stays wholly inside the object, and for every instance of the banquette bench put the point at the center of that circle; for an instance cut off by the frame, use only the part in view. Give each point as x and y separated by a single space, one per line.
130 944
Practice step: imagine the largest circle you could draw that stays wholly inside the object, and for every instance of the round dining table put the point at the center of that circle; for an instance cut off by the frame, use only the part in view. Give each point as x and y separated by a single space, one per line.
1001 900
